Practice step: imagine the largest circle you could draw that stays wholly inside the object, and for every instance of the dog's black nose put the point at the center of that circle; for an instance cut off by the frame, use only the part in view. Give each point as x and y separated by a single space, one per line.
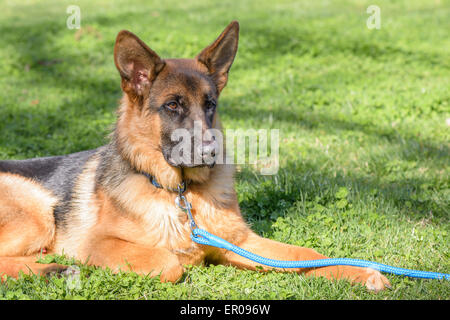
208 151
209 148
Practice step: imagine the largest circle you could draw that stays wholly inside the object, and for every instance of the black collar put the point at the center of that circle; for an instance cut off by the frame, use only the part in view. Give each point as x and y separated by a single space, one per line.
180 189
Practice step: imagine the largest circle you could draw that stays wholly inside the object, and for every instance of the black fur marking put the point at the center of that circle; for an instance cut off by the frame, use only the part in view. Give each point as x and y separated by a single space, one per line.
57 174
112 168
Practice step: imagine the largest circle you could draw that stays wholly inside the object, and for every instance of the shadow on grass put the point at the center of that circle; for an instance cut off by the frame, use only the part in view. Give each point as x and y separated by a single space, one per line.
410 146
301 186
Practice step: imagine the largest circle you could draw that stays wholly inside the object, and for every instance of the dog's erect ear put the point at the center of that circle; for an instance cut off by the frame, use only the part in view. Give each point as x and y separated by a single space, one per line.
138 65
219 56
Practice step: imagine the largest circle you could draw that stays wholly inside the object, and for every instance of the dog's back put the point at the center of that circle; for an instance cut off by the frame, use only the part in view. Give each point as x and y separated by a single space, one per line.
56 174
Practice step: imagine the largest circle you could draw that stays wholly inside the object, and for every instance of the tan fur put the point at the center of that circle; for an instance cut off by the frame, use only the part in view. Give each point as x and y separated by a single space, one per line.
139 145
26 216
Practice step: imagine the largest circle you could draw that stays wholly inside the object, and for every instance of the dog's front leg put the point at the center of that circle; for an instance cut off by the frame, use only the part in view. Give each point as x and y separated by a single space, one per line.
267 248
121 255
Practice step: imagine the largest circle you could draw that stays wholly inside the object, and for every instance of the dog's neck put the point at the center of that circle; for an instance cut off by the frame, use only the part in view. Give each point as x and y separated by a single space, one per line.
152 162
218 184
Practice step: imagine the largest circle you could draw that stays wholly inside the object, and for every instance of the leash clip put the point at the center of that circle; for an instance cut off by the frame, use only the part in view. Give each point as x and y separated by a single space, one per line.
186 206
181 187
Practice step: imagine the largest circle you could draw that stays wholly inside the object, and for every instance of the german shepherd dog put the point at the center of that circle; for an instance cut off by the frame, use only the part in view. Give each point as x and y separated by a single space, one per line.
114 206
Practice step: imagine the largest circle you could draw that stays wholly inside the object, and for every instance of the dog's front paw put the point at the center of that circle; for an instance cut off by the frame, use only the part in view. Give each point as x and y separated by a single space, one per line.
375 281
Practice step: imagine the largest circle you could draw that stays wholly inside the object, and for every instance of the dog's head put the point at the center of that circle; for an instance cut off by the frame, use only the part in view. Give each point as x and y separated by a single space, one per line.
166 99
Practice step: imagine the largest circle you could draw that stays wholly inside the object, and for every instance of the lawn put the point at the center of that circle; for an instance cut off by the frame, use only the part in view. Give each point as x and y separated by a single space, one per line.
364 119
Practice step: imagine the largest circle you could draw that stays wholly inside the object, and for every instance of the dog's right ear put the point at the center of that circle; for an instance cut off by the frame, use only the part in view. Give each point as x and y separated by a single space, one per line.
138 65
218 56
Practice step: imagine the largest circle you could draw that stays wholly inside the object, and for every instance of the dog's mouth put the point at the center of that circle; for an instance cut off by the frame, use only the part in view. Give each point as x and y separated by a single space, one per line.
173 163
181 159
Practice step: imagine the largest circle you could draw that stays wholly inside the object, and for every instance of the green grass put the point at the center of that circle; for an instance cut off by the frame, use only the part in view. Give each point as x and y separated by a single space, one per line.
363 118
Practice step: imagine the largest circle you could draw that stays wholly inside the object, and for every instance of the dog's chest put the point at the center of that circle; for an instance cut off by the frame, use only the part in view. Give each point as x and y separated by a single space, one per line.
152 221
165 223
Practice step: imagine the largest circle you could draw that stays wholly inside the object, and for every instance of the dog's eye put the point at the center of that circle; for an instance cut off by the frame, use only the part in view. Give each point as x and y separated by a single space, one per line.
171 105
210 106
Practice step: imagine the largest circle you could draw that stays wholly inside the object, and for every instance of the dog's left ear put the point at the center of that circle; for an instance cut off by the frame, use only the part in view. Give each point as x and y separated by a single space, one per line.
218 57
138 65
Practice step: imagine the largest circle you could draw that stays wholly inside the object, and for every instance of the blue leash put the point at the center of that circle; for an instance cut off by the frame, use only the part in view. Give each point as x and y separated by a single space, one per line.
201 236
204 237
